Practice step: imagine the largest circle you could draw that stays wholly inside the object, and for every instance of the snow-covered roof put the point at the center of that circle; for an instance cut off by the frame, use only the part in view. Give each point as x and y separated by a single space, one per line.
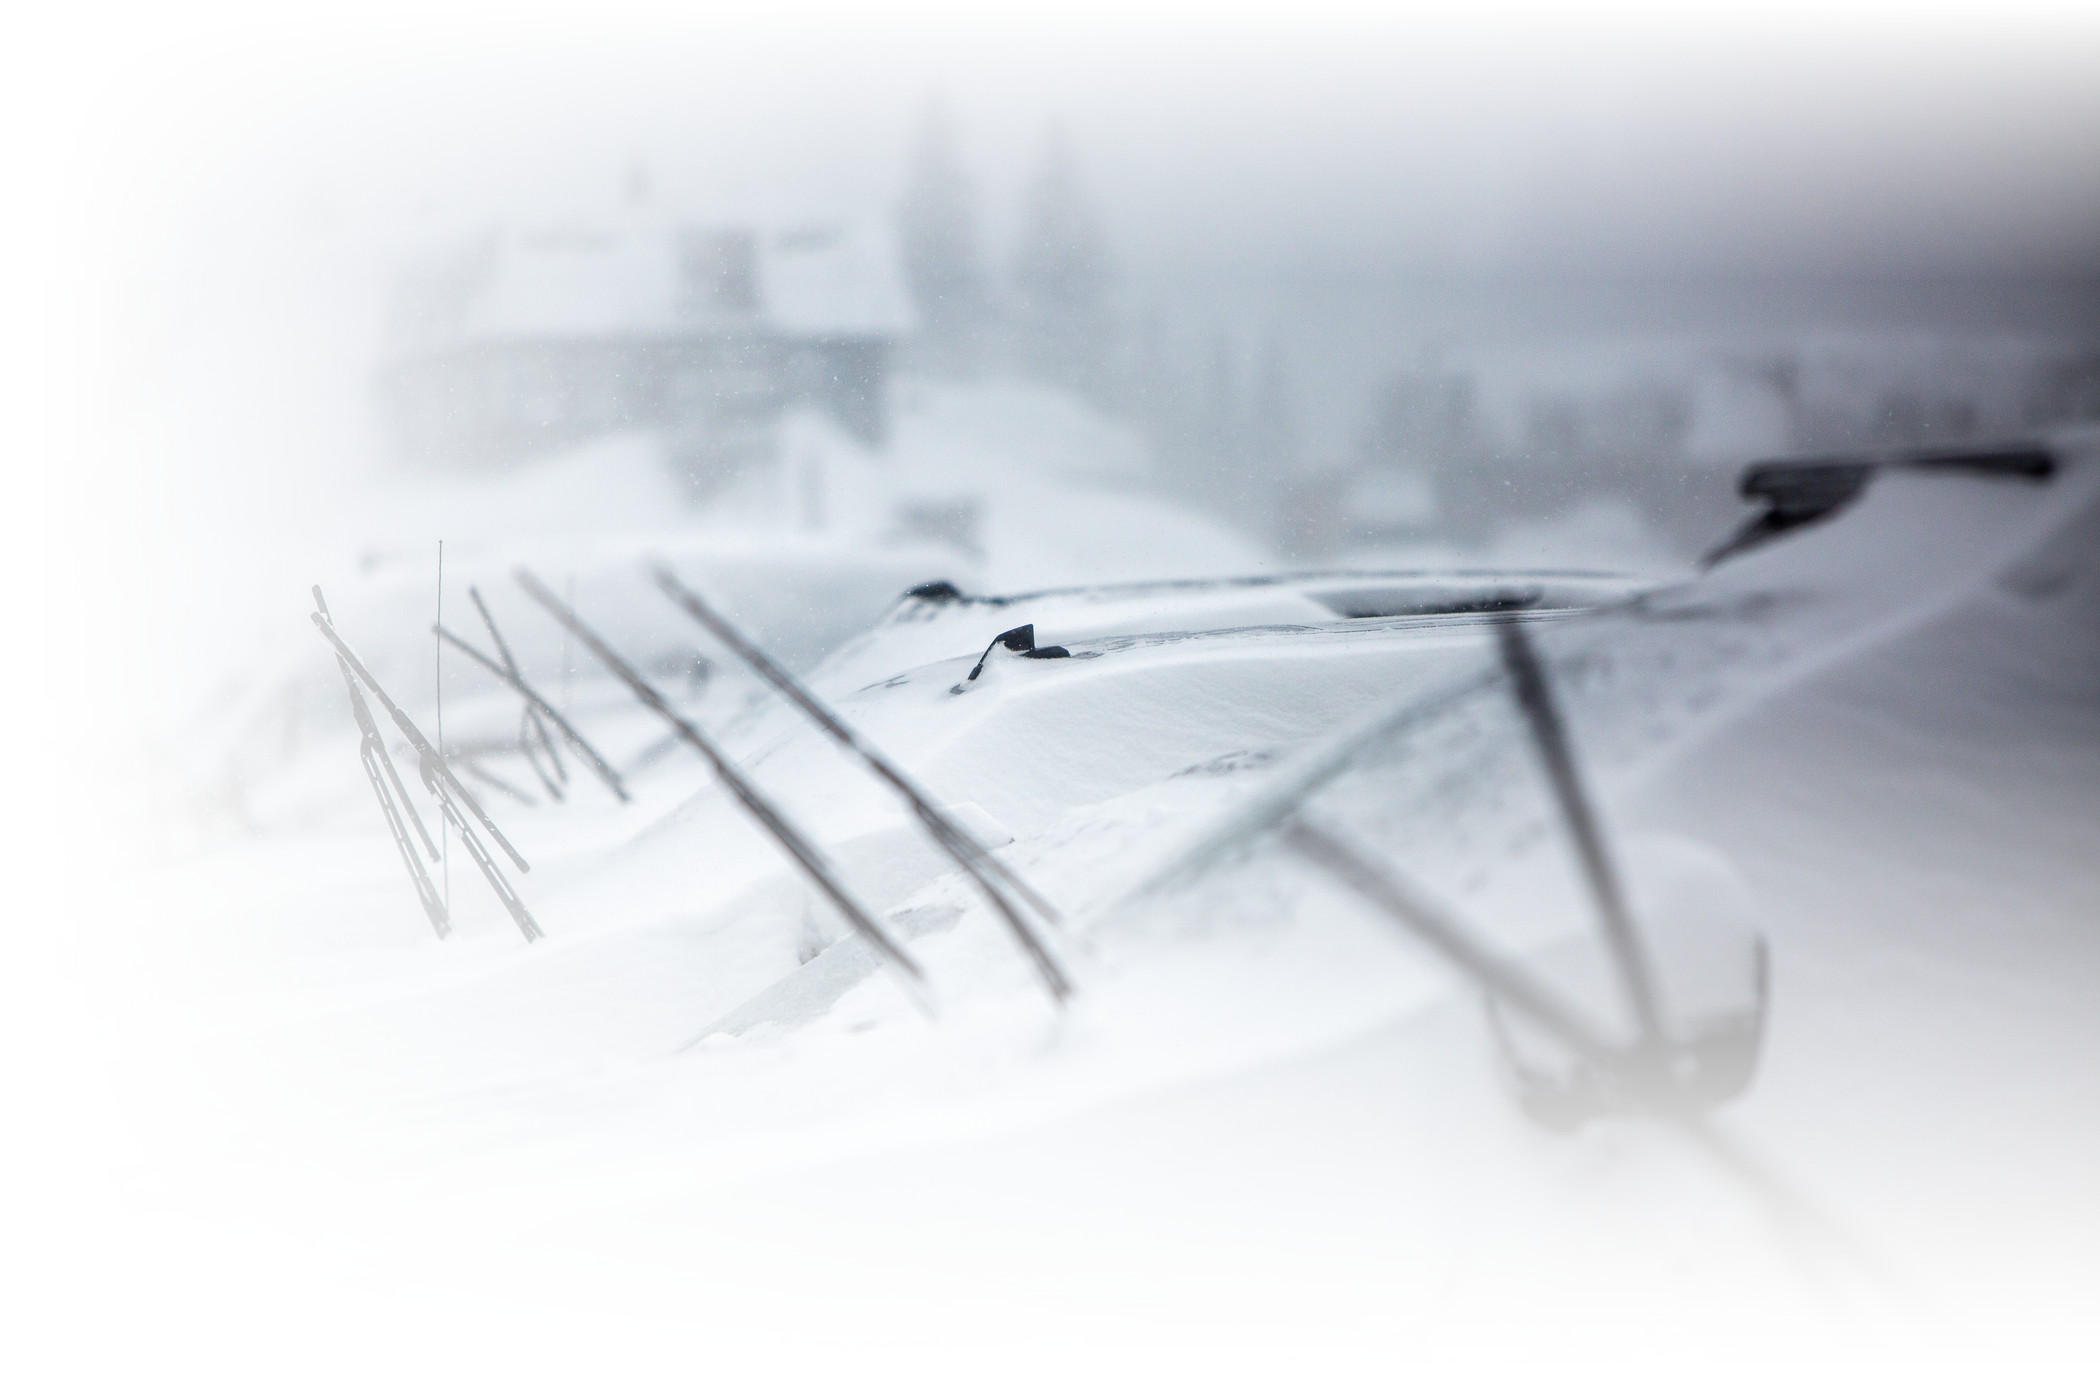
817 280
574 283
840 280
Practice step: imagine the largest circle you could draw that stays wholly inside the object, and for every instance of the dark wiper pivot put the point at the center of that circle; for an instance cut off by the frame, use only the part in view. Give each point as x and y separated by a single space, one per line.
1803 490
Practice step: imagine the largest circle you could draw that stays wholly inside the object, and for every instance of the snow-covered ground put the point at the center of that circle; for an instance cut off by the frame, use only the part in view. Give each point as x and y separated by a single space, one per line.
696 1139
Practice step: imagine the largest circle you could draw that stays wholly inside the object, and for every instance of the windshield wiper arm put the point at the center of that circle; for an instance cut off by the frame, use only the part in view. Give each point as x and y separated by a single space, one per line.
776 824
991 875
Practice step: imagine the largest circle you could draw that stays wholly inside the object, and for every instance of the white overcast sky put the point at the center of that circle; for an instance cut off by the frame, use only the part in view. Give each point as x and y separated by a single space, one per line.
1837 137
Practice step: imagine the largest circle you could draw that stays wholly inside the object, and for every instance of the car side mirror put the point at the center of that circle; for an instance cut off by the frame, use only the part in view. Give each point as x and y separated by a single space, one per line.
1710 965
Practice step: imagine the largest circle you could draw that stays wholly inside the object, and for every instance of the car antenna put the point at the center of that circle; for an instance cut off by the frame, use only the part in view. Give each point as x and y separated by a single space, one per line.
507 671
1022 640
1549 735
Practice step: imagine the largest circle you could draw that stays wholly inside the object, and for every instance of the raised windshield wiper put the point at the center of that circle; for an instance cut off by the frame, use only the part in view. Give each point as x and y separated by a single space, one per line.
1549 735
776 824
392 794
507 671
991 875
1668 1065
445 787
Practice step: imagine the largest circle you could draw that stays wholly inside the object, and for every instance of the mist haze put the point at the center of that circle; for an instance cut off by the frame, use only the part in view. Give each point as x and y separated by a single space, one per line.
1110 410
1341 198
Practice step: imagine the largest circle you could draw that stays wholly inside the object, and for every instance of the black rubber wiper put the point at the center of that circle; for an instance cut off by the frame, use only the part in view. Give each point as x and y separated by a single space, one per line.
445 788
1549 735
1801 491
992 876
387 787
507 671
799 847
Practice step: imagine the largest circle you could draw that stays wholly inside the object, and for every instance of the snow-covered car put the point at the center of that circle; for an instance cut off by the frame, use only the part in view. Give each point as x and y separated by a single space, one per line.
1296 831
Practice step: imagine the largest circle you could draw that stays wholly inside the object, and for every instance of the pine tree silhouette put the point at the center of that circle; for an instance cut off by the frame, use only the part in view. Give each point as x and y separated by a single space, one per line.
943 262
1063 330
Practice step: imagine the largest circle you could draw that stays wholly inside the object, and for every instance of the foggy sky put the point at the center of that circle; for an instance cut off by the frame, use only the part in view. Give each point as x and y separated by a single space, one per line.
208 201
234 187
1853 140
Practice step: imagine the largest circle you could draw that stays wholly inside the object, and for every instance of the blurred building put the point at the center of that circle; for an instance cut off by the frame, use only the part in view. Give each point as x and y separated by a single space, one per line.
534 340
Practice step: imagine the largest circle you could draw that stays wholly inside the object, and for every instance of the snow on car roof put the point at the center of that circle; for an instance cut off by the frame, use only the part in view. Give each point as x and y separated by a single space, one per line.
938 620
1271 1100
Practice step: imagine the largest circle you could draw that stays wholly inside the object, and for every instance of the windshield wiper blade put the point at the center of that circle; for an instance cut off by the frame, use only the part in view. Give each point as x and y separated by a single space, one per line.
532 715
991 875
433 761
776 824
1447 932
443 785
528 730
507 671
400 815
1549 735
431 767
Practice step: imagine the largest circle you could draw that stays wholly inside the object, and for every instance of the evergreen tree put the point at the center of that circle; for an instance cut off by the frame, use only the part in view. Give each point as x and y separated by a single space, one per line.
1063 329
937 231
